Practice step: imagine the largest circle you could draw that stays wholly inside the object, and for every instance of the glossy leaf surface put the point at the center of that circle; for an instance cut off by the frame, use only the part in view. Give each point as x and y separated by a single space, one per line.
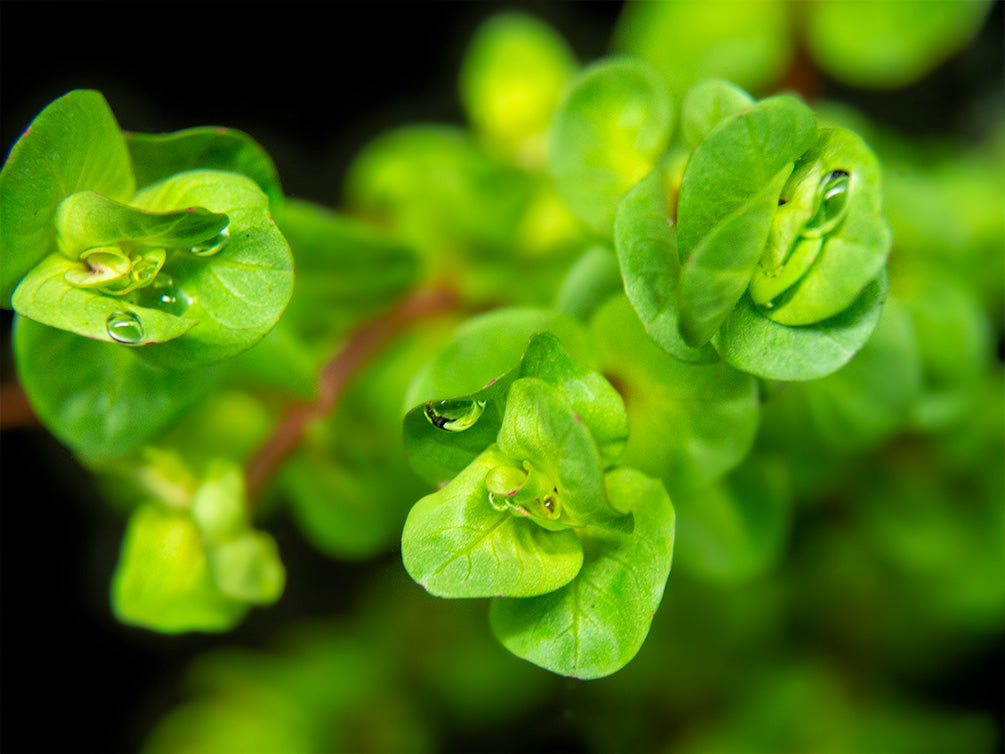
73 145
46 296
728 196
456 544
753 343
156 157
236 293
596 624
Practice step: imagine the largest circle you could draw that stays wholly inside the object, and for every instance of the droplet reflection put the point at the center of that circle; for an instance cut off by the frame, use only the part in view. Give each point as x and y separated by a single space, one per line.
125 328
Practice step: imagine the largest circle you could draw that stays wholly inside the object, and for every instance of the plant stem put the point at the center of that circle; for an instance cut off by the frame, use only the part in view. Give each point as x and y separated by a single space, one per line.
360 347
15 409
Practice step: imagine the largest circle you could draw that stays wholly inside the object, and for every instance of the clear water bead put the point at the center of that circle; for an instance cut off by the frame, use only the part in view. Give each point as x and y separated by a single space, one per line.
125 328
213 245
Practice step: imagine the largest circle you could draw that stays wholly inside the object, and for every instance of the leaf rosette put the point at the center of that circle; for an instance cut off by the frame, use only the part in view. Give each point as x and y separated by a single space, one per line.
528 510
194 562
762 244
190 266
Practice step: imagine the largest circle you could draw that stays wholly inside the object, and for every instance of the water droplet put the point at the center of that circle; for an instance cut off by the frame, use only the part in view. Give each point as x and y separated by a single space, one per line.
454 415
832 194
144 270
213 245
124 327
163 294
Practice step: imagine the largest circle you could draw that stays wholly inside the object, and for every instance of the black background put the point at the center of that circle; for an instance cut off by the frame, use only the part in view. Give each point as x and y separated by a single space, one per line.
313 83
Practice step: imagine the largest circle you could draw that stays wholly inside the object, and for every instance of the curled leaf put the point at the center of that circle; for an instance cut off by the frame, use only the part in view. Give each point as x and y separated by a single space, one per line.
457 544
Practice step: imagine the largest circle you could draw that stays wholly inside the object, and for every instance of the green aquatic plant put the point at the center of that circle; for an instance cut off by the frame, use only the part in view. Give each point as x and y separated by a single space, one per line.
637 313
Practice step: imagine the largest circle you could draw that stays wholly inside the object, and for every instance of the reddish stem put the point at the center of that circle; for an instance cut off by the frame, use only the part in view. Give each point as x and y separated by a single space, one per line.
15 409
361 346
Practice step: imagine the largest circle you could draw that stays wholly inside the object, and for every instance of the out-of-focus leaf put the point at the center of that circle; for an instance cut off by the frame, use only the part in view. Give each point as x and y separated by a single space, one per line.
163 580
99 398
608 132
512 75
345 268
887 44
689 423
749 43
735 529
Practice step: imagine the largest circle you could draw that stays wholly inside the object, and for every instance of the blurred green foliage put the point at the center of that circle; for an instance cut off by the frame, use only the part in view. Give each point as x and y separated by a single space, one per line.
839 552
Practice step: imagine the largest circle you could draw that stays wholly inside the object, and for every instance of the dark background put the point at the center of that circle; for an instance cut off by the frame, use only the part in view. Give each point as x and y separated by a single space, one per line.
313 83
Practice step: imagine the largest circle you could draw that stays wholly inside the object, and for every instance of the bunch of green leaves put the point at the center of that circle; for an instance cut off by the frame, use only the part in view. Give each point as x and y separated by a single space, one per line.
178 257
476 201
190 561
148 273
755 236
534 513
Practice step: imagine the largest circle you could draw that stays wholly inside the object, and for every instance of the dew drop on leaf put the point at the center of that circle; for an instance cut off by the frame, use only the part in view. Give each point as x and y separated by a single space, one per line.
832 194
211 246
454 415
163 294
124 327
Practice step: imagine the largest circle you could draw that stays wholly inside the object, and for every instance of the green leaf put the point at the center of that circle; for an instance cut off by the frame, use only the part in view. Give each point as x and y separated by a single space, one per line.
708 103
749 43
156 157
236 289
608 132
590 280
163 579
728 197
46 296
956 346
456 544
839 175
248 568
219 507
73 145
434 187
595 625
690 423
756 344
488 346
443 436
887 44
865 402
98 398
87 219
541 429
646 242
512 76
736 529
595 401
